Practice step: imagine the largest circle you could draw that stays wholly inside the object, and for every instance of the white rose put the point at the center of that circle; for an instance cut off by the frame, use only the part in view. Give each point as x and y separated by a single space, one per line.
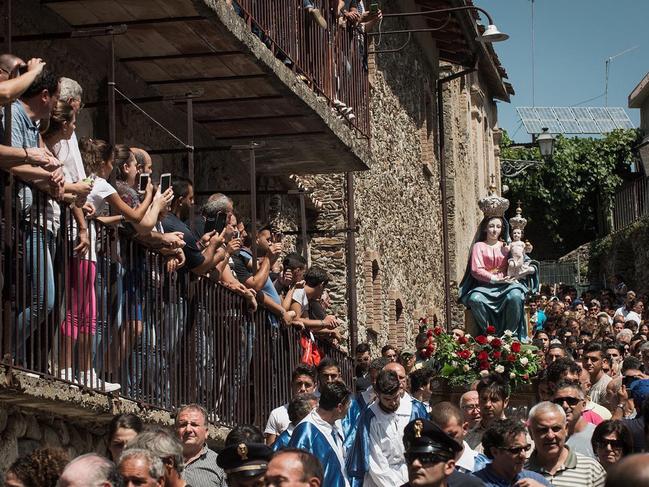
508 333
500 369
524 361
484 373
466 368
489 338
506 347
512 375
454 363
467 336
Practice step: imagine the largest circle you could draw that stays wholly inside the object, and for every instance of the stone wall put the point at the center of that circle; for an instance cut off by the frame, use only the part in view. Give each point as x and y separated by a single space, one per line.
399 264
623 252
38 412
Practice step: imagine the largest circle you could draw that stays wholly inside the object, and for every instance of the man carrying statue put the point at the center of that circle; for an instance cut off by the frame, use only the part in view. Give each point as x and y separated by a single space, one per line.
499 274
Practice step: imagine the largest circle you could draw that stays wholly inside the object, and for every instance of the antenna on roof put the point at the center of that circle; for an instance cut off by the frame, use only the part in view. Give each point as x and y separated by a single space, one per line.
608 67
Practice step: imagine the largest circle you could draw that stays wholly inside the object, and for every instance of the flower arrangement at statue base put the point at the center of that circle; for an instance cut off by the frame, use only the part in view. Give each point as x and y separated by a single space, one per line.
467 359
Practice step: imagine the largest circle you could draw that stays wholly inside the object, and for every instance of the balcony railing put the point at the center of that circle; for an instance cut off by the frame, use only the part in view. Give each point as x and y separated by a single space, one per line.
332 60
168 338
631 203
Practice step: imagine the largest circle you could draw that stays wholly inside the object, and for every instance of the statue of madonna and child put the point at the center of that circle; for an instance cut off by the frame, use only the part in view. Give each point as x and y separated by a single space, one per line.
499 274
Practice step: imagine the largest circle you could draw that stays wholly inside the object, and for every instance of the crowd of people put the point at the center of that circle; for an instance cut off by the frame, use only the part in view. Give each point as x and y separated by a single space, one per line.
74 196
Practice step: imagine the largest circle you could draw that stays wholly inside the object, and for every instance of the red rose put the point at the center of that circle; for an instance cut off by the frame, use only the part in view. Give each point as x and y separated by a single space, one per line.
483 356
496 354
484 365
464 354
437 330
516 347
481 339
429 333
496 343
462 340
491 329
511 358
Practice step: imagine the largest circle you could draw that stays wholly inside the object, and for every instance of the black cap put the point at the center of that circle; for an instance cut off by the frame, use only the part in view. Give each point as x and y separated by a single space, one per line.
245 459
423 436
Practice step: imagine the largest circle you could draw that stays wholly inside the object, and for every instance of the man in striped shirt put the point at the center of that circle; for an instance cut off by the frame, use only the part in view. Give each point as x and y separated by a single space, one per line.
560 466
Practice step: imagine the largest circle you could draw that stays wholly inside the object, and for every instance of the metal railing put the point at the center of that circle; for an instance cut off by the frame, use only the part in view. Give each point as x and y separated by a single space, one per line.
333 60
631 202
167 338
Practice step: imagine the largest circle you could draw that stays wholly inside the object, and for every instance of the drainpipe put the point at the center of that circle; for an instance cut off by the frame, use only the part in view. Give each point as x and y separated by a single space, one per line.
351 266
442 187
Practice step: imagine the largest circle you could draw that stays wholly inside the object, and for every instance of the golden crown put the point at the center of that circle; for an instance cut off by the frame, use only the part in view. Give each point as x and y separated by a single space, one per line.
493 205
518 222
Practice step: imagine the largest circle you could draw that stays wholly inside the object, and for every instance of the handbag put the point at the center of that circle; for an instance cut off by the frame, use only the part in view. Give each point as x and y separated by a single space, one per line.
311 354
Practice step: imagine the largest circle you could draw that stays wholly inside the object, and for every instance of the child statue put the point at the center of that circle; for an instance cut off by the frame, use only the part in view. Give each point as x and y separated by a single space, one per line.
518 265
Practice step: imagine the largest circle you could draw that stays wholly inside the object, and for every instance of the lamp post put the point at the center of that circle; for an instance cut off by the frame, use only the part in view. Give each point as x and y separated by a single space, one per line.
546 143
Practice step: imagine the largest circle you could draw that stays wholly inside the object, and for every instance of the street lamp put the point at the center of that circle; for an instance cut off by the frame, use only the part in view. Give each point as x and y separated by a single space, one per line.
491 33
546 143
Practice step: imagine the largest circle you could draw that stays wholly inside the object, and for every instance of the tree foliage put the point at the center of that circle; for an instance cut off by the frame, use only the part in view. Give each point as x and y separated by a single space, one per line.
567 199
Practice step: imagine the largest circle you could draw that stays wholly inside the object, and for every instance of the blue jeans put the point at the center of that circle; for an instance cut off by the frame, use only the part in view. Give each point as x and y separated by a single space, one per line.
40 247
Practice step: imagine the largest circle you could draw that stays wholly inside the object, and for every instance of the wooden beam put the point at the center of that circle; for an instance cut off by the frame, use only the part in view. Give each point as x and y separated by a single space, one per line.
202 80
251 118
166 57
153 21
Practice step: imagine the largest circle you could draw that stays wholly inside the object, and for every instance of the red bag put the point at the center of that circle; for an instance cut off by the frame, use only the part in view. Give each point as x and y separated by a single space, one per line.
310 353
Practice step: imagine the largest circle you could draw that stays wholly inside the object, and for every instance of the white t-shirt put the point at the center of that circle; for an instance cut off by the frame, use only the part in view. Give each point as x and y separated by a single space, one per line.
467 459
299 296
67 151
101 189
278 421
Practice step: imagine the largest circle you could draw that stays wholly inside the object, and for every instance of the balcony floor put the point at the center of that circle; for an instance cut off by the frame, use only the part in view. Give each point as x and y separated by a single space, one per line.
179 46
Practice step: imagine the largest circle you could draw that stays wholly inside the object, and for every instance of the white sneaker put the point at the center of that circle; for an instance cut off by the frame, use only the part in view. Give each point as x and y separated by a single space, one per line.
89 379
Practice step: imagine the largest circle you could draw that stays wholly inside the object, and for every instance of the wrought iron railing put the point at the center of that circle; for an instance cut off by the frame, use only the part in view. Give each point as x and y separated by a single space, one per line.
332 61
168 338
631 203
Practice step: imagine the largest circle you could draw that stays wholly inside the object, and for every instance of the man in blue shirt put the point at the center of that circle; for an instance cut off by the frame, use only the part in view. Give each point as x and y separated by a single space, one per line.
505 443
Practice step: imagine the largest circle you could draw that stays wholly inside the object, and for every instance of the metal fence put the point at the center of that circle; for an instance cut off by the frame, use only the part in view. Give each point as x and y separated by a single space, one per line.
631 203
167 338
332 60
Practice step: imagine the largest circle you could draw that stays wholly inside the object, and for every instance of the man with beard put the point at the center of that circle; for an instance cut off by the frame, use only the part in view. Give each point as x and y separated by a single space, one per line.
377 456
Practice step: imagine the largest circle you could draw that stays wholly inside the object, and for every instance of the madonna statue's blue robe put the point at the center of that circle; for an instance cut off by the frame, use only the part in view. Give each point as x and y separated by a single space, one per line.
358 457
314 435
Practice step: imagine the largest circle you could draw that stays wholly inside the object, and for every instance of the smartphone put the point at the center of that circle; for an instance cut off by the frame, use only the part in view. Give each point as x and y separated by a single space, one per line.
374 8
235 234
277 237
165 182
144 182
216 222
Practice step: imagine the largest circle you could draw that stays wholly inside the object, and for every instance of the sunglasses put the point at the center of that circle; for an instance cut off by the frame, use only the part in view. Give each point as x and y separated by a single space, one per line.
517 449
614 444
571 401
425 458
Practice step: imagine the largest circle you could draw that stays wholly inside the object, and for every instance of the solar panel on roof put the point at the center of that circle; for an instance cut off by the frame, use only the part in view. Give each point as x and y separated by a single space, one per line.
603 119
621 119
585 120
567 120
573 120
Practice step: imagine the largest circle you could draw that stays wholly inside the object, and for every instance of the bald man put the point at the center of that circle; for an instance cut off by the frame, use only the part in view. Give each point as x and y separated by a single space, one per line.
469 404
631 470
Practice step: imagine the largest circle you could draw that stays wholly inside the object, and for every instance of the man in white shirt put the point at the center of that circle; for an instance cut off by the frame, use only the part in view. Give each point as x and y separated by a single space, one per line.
593 359
303 380
376 458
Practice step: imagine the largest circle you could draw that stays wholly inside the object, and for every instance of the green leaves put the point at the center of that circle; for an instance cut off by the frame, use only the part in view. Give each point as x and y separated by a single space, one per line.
564 198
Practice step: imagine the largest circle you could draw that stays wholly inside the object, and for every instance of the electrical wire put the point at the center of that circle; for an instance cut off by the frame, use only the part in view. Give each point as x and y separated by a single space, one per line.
152 119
